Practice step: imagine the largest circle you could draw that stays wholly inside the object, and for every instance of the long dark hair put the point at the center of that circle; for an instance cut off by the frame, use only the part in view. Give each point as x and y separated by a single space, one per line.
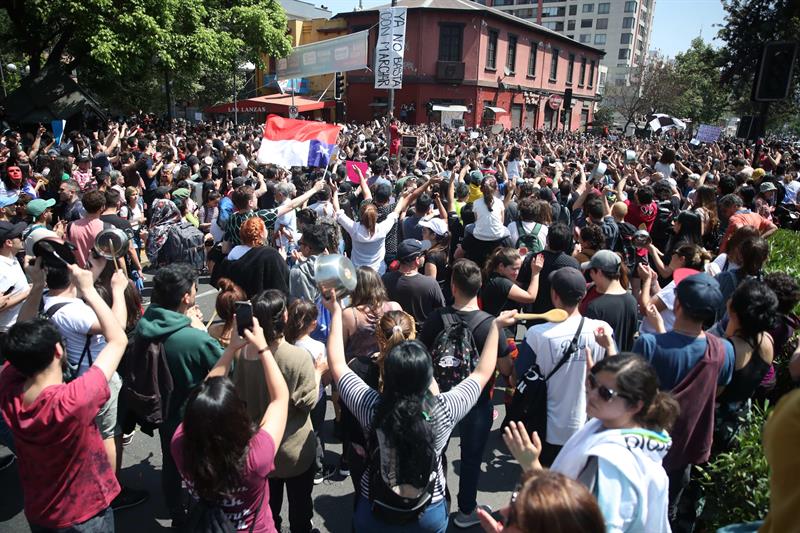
637 381
269 307
691 231
133 302
370 291
403 414
217 431
488 187
756 306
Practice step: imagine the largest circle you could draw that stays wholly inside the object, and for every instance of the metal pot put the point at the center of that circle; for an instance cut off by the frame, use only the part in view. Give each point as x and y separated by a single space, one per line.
335 272
112 243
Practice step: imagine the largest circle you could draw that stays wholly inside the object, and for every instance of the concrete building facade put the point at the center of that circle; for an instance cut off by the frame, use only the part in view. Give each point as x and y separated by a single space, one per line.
460 53
622 28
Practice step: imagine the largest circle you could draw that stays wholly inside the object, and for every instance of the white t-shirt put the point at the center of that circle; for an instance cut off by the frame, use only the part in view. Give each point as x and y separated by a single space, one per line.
11 275
527 226
368 250
289 222
323 209
666 295
238 251
488 224
566 389
665 169
512 169
791 192
317 350
74 321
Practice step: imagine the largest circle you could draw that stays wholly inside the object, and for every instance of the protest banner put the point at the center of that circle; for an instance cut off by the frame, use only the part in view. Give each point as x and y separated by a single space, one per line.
390 48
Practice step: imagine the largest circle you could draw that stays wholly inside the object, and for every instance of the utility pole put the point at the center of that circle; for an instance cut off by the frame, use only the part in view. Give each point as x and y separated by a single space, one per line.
235 99
168 93
391 91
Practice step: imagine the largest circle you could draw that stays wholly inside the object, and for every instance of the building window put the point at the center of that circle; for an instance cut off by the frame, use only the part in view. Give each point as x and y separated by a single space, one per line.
600 38
627 23
570 68
491 50
602 24
552 12
604 8
624 53
630 6
570 25
503 2
532 60
451 37
583 72
591 73
585 38
511 55
619 82
555 26
573 10
554 65
626 38
588 8
586 23
525 13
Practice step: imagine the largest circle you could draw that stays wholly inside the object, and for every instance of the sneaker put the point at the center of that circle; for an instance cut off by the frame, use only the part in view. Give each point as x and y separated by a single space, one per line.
127 438
323 474
129 497
468 520
7 461
344 467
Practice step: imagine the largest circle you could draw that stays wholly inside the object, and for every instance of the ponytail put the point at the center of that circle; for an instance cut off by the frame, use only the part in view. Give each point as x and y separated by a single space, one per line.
500 256
488 187
662 412
369 217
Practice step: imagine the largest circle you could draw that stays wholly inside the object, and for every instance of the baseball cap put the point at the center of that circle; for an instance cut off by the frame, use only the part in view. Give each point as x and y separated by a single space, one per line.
476 177
10 231
8 200
603 260
37 207
409 249
699 294
436 225
569 283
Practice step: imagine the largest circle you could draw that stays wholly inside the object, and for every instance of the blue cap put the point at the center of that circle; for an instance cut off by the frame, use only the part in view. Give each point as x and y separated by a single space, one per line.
699 295
8 200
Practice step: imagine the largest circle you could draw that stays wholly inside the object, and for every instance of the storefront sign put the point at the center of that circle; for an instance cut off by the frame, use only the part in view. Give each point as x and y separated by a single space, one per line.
339 54
390 48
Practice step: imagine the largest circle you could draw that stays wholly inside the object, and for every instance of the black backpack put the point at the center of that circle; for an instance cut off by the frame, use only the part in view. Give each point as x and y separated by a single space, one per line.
662 225
625 245
184 244
71 371
386 504
529 403
146 380
207 517
454 352
529 240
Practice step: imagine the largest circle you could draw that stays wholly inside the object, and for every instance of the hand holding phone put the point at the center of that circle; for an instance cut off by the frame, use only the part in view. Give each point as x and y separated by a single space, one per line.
244 317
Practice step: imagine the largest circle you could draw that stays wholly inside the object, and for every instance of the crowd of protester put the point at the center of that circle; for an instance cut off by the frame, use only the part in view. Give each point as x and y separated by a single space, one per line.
653 252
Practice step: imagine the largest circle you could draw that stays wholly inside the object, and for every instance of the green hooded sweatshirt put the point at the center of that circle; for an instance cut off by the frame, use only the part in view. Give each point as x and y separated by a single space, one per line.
191 353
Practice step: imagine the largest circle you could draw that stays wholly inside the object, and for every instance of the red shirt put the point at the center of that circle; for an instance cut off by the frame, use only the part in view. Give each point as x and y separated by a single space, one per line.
641 214
744 217
394 138
65 473
242 504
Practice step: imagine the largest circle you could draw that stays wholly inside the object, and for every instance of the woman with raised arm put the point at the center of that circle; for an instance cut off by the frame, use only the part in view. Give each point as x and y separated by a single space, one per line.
402 488
221 453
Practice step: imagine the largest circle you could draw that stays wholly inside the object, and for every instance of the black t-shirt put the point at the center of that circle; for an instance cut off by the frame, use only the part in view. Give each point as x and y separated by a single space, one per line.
552 261
435 325
494 294
442 271
418 295
620 311
118 222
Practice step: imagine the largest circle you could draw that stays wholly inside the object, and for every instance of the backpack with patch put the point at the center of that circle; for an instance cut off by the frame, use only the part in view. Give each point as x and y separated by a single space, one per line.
529 240
386 500
146 381
662 225
207 517
454 352
184 244
71 371
625 245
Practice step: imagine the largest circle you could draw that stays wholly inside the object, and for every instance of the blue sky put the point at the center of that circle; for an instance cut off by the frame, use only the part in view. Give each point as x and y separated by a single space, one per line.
676 22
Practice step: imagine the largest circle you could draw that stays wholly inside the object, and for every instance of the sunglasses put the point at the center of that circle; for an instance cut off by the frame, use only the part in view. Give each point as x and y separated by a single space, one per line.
604 392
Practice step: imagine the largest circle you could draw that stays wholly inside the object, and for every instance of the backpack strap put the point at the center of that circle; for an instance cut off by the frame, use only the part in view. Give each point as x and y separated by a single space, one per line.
87 351
571 349
53 309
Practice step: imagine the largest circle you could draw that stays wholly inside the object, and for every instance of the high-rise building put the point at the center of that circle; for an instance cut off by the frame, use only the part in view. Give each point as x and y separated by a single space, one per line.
621 28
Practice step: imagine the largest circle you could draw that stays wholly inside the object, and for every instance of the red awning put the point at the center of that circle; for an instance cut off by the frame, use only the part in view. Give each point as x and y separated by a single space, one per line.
272 103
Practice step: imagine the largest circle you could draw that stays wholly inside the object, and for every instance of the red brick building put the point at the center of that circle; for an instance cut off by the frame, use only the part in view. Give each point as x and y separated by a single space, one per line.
460 53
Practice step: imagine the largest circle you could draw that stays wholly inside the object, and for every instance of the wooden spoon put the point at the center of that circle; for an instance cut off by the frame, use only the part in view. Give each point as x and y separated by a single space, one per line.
553 315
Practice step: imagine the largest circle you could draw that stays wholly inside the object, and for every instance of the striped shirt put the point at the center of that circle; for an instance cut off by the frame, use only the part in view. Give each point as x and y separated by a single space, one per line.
449 408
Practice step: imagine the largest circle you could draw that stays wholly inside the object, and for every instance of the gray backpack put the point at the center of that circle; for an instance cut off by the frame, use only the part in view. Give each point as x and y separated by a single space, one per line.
184 244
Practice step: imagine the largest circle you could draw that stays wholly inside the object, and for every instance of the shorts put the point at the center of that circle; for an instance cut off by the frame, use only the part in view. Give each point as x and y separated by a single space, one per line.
106 418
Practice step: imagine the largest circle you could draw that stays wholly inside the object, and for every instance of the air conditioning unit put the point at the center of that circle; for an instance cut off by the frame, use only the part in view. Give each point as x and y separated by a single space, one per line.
450 71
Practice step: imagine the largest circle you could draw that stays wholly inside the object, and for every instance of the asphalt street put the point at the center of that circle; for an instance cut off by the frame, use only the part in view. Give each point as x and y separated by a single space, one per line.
333 499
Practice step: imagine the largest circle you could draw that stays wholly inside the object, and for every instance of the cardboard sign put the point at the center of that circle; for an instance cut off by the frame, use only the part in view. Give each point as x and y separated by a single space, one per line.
352 175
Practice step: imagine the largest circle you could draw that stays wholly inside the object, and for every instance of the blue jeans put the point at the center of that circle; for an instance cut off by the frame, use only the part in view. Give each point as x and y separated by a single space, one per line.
433 520
474 430
102 522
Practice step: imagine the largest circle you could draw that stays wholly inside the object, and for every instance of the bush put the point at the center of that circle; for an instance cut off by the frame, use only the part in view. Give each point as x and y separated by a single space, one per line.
784 252
736 482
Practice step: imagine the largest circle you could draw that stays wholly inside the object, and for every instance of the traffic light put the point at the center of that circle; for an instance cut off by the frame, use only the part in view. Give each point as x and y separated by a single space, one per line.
338 86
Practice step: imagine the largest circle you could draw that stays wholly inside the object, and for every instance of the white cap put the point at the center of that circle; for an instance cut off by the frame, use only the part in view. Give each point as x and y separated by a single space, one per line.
37 235
436 225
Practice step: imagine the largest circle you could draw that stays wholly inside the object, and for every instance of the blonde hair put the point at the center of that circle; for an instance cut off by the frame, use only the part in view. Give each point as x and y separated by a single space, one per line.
619 210
393 328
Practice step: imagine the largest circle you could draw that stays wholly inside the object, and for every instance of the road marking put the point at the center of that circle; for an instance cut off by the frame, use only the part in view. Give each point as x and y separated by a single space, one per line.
206 293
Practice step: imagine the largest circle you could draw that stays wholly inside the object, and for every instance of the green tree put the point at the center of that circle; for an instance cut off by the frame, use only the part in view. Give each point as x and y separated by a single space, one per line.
748 25
130 47
702 97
